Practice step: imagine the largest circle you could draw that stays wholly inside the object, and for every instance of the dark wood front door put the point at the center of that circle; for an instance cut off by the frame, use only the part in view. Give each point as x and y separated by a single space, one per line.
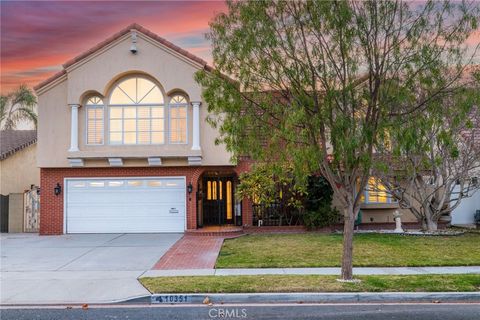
218 202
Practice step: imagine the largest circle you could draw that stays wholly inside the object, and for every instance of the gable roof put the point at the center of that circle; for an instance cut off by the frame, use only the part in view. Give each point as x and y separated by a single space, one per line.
12 141
116 36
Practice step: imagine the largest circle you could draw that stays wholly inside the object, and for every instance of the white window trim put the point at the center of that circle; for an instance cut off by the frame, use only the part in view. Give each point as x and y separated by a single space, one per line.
86 124
170 105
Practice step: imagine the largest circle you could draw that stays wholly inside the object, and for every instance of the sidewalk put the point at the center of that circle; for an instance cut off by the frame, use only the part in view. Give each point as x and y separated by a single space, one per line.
312 271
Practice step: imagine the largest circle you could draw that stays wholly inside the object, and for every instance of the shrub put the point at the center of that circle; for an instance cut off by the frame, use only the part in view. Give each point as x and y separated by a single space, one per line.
318 204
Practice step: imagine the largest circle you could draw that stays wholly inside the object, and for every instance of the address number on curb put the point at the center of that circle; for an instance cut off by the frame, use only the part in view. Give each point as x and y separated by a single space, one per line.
171 298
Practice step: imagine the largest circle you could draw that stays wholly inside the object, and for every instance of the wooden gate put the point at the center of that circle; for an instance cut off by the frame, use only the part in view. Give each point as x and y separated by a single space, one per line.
31 205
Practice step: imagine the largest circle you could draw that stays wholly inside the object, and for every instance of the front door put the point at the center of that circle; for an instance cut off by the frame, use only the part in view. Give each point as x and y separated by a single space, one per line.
218 204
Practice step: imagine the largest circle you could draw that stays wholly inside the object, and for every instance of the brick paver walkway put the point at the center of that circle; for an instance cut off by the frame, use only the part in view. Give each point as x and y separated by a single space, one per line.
191 252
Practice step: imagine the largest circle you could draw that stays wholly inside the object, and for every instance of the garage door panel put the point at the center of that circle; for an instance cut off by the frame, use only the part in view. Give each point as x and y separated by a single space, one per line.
125 205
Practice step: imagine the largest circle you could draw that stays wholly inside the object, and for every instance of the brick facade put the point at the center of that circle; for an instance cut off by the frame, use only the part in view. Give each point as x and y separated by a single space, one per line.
51 209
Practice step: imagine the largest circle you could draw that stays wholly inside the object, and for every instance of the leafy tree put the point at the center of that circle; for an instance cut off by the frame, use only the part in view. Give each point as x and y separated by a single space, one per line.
16 107
440 154
316 82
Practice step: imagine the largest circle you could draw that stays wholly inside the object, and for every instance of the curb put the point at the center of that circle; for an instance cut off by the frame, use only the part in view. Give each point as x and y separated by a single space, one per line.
343 297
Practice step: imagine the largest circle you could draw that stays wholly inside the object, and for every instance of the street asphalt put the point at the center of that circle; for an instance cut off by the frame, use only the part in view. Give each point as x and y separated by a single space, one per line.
257 312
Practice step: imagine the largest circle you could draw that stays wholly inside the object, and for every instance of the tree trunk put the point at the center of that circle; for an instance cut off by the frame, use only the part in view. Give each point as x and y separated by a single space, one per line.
430 223
347 259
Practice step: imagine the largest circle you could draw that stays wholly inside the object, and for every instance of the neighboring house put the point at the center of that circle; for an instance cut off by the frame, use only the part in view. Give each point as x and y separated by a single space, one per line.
18 172
464 214
124 145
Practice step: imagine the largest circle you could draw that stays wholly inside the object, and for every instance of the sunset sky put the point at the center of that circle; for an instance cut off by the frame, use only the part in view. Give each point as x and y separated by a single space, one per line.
37 37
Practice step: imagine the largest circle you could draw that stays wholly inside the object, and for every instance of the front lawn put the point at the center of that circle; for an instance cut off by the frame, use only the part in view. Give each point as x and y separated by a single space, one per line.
311 283
325 250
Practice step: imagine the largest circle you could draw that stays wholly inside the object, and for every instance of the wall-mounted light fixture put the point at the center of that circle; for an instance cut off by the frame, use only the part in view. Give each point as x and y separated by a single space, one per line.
57 189
133 47
190 188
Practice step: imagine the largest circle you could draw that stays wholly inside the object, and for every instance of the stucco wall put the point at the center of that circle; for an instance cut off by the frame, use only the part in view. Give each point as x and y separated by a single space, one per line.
98 74
19 171
464 214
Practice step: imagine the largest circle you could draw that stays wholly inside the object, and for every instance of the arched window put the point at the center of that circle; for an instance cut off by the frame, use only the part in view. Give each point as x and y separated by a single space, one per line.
178 119
95 120
136 113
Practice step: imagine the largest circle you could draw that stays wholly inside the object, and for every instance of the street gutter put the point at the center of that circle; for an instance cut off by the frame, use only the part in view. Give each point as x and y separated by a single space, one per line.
310 297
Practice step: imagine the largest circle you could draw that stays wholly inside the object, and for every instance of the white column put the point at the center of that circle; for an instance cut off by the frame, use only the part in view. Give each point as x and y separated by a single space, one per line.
196 126
74 128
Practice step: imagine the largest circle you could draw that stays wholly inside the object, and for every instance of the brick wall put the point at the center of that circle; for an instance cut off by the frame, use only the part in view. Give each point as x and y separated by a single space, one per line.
51 209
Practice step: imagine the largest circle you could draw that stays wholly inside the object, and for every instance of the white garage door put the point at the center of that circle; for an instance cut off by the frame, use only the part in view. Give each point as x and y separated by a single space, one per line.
125 205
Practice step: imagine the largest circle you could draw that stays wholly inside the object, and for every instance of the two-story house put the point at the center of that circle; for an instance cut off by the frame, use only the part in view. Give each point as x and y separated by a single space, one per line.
123 145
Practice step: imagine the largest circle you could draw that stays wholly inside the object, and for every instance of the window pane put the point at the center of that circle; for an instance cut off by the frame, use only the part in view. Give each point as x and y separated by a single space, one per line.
178 99
229 200
99 113
115 113
135 183
135 91
173 136
119 97
77 184
97 184
158 124
376 191
130 137
91 113
157 112
129 125
129 87
115 125
144 88
173 125
129 112
144 112
155 96
143 125
116 137
115 183
154 183
157 137
94 125
144 137
182 112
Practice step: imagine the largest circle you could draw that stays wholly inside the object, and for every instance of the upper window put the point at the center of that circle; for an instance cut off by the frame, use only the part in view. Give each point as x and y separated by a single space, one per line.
95 120
136 113
178 119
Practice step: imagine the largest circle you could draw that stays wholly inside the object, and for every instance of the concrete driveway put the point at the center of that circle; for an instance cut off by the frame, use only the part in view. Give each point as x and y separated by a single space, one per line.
82 268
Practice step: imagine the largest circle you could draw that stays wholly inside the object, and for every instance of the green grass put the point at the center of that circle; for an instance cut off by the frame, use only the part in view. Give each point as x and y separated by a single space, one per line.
311 283
372 250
